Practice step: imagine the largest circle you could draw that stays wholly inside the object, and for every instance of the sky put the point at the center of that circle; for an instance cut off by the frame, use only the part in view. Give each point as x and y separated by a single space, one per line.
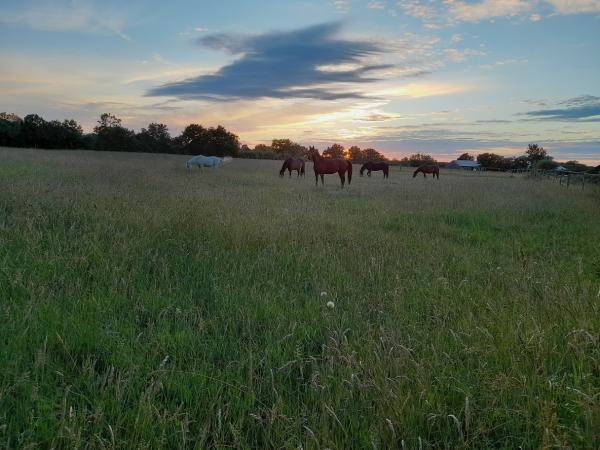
441 77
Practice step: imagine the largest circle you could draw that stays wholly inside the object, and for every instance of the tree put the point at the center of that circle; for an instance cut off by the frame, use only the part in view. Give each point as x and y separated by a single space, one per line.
10 129
262 148
222 142
155 139
370 154
286 147
111 136
355 154
466 157
490 160
419 159
546 164
66 134
575 166
520 162
107 120
32 131
212 141
335 151
536 153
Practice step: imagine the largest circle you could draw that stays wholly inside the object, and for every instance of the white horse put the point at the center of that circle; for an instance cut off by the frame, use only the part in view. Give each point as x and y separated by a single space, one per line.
206 161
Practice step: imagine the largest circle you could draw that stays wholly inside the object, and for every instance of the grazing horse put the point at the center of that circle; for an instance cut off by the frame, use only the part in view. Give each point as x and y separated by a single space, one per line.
324 166
431 168
375 166
206 161
292 164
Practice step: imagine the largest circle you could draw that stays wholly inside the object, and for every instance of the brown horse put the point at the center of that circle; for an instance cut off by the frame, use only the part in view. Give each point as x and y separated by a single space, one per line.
324 166
375 166
430 168
292 164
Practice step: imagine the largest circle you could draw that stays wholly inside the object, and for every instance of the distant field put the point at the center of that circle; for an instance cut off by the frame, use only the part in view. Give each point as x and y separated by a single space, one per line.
142 308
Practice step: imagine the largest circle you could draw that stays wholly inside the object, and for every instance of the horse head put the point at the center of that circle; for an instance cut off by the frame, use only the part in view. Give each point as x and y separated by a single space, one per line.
311 152
362 169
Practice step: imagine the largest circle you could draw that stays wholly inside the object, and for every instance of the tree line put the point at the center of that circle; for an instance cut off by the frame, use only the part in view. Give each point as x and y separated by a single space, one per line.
110 135
535 157
285 148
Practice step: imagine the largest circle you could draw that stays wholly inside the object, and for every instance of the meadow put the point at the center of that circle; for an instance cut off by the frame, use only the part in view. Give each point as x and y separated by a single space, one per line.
141 307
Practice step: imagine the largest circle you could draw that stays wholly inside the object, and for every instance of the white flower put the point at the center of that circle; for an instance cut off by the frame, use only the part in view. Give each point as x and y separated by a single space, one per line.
323 294
330 305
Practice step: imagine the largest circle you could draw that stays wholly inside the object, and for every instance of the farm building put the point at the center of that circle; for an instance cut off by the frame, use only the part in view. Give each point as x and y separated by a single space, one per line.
464 164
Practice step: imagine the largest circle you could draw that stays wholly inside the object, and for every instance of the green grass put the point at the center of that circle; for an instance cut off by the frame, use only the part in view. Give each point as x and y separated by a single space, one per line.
142 308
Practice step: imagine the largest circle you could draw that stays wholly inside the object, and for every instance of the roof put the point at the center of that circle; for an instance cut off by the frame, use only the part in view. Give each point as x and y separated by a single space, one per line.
465 163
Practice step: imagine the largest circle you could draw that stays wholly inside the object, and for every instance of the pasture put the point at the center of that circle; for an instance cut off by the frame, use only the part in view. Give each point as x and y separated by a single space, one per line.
143 307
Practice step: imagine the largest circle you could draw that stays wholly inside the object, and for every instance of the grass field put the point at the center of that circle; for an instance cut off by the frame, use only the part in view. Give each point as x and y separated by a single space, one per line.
143 308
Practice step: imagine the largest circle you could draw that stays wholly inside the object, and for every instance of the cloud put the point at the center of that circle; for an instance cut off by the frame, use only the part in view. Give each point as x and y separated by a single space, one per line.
456 55
340 5
487 9
376 5
68 18
505 62
442 13
283 65
585 108
575 6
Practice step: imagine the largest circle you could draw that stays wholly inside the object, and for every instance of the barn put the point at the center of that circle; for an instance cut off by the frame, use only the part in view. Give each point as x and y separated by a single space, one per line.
464 164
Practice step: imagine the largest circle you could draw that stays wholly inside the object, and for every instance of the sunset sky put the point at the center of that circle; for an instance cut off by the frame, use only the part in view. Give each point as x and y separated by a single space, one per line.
440 77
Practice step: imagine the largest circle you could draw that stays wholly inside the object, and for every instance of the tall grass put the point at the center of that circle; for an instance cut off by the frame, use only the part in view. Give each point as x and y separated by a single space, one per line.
142 308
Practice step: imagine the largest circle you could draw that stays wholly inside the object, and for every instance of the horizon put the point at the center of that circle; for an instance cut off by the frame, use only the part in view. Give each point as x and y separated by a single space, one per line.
435 77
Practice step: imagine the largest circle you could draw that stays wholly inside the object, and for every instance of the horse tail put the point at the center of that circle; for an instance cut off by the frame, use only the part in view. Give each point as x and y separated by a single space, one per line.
349 163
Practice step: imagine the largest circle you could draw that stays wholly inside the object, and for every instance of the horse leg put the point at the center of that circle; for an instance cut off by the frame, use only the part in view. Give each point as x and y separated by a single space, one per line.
342 178
322 179
316 179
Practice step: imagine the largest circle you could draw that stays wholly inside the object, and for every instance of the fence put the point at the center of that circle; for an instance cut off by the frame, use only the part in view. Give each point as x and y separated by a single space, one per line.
567 178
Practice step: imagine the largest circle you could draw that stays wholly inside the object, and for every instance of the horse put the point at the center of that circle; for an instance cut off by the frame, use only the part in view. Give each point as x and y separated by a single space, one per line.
324 166
375 166
431 168
292 164
206 161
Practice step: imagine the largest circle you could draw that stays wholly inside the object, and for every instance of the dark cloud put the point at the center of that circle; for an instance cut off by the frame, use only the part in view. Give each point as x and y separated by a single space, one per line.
583 109
282 65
